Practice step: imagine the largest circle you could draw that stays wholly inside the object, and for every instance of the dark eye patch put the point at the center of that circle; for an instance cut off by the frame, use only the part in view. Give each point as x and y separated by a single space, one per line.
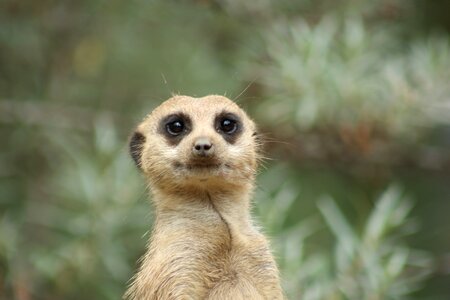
175 127
229 126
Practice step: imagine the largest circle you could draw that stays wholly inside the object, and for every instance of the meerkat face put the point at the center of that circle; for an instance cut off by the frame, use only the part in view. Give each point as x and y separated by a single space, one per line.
196 141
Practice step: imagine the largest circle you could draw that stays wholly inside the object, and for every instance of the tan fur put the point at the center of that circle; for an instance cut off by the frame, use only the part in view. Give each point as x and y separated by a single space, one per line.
204 244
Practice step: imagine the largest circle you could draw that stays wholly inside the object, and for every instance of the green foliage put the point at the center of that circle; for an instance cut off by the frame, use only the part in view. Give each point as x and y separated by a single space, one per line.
363 83
94 219
374 264
330 74
88 232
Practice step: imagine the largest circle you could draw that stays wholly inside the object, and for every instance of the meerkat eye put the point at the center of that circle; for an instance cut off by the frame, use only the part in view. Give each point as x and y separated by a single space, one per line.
175 127
228 126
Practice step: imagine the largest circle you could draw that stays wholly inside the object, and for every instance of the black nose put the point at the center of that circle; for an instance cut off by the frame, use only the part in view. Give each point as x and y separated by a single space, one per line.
203 147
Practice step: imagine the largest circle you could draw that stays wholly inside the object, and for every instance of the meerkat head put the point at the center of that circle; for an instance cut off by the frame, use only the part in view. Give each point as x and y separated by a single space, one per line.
196 142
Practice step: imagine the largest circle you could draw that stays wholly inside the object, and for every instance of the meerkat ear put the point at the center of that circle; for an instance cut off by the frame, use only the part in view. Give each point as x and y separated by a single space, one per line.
136 145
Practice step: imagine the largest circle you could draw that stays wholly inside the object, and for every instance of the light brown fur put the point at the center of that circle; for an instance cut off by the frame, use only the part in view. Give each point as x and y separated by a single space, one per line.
204 244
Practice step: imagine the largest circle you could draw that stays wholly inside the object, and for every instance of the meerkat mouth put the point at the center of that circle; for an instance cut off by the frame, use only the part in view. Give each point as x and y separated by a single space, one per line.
203 166
198 165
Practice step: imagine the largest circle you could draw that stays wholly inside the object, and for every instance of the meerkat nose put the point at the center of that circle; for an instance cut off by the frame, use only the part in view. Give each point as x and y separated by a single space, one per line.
203 147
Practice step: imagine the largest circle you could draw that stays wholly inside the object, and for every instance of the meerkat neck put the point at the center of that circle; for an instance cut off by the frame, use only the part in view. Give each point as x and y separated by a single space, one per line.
230 207
237 199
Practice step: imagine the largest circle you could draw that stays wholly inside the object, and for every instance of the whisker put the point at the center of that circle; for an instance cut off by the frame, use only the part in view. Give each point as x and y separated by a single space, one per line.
245 89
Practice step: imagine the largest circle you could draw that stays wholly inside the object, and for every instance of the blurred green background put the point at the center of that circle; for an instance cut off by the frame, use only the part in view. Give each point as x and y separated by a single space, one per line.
352 97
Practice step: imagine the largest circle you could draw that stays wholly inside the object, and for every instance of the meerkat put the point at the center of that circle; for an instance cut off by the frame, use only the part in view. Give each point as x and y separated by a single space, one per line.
200 157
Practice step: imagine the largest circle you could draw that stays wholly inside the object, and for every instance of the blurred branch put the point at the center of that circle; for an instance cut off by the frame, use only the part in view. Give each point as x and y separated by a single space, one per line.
356 149
52 115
